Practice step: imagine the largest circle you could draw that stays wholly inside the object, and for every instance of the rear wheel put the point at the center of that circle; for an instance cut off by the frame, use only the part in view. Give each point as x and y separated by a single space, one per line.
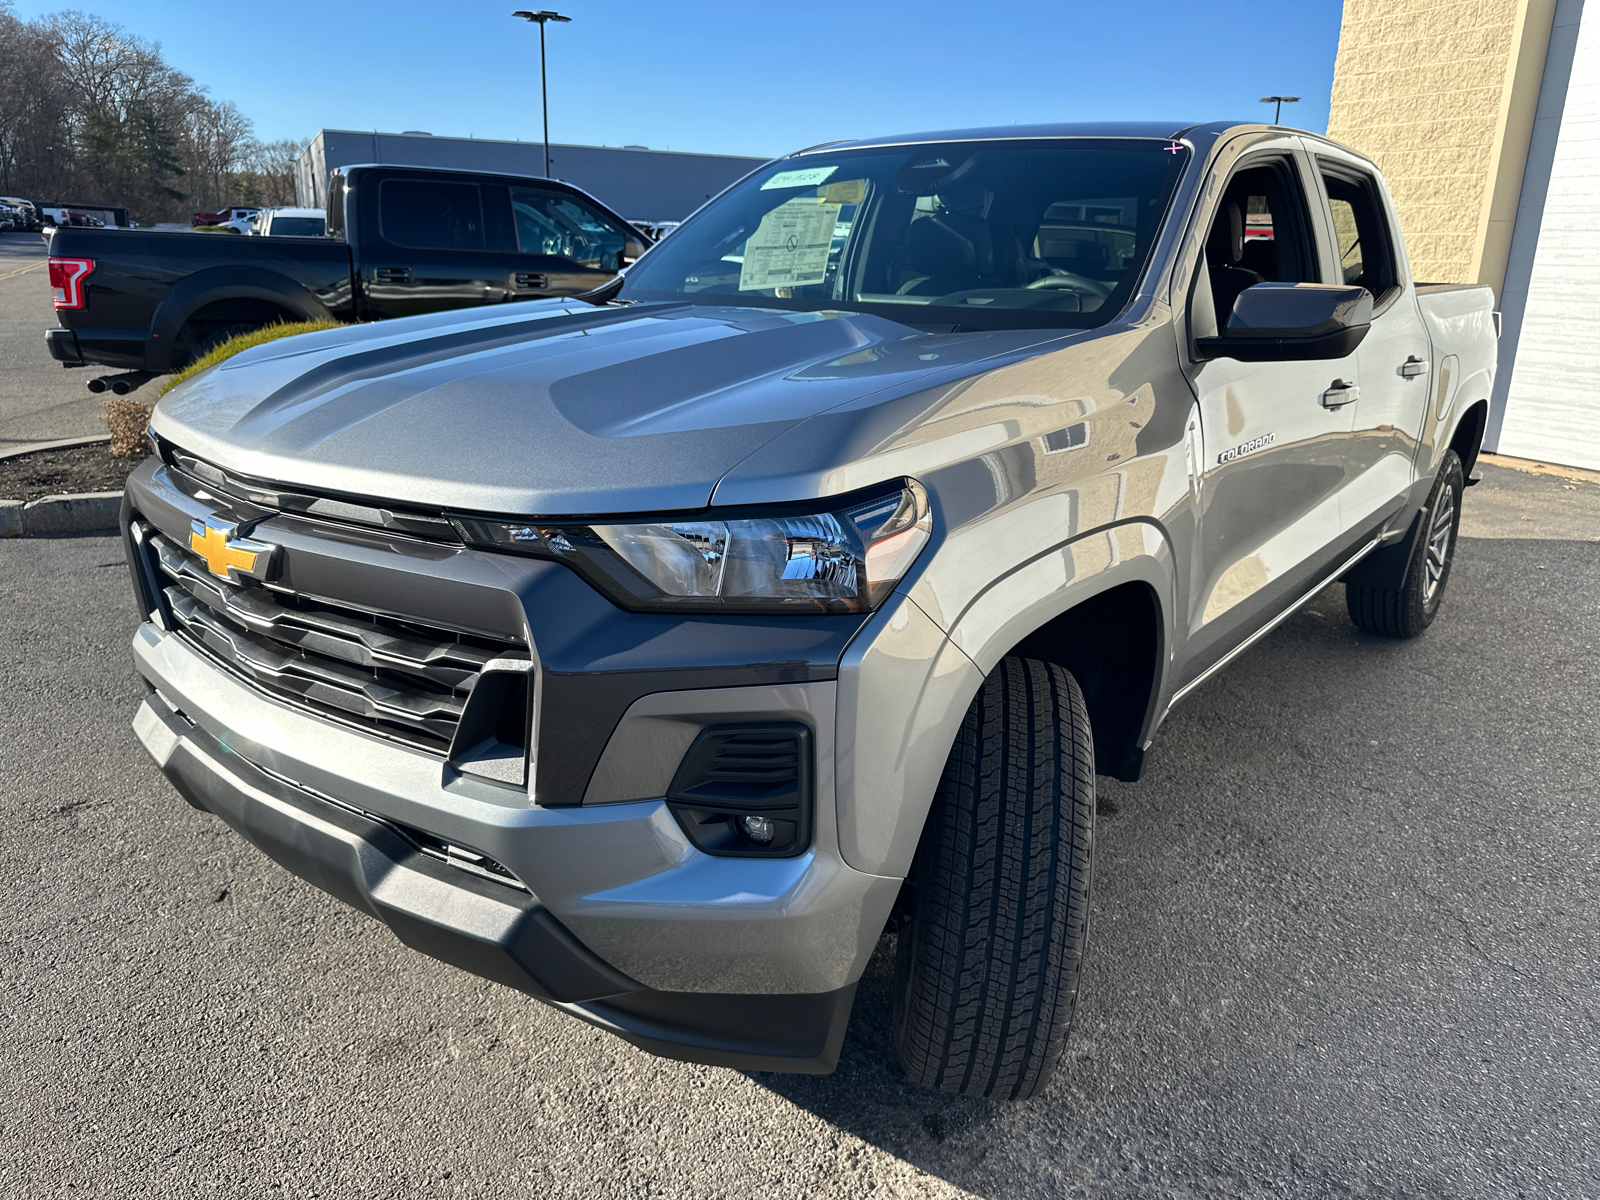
1406 611
988 967
199 338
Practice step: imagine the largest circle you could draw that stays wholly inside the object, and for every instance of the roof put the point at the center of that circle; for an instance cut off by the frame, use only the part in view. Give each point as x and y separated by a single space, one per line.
651 185
1161 130
554 146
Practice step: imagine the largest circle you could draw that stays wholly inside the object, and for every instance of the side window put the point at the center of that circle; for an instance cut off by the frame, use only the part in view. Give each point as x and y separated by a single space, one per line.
1347 238
1260 233
562 225
1366 251
426 215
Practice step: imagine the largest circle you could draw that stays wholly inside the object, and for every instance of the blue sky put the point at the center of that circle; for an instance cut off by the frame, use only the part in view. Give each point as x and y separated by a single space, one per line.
752 77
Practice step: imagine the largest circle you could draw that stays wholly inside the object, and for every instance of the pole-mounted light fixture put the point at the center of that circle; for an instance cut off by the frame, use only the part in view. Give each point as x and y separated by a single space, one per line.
1280 101
540 19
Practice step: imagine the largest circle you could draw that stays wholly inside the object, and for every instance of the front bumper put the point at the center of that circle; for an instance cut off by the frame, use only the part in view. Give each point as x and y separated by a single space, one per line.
485 927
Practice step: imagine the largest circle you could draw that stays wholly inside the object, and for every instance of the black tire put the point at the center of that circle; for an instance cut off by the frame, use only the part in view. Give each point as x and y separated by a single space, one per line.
199 338
988 967
1405 612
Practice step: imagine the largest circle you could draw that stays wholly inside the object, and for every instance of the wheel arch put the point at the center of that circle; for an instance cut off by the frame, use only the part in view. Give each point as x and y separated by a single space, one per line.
1118 669
219 284
905 687
1466 439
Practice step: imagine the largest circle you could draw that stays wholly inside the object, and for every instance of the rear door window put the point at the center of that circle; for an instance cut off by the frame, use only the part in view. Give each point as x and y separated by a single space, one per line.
1360 230
428 215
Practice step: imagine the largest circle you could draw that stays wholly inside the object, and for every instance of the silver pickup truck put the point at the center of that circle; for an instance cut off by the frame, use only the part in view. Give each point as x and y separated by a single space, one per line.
656 653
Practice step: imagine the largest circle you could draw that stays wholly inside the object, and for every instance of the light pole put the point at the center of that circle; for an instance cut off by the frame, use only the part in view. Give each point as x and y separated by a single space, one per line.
540 18
1280 101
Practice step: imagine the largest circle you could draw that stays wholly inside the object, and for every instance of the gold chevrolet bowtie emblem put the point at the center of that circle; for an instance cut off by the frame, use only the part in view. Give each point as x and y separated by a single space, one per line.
229 557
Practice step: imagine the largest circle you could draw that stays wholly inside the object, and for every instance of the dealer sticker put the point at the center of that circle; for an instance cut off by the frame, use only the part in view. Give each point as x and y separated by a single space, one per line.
807 177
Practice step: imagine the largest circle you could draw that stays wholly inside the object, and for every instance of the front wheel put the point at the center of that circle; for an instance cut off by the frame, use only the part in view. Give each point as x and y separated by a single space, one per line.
1406 611
987 974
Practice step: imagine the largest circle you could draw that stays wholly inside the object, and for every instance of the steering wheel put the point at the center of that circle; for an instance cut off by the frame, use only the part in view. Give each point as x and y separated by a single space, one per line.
1066 281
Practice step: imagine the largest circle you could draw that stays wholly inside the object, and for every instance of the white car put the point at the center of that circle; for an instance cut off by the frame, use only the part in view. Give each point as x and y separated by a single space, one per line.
240 220
290 222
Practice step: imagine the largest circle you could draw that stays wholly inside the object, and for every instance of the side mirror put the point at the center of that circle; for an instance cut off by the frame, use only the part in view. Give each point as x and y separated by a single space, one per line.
1284 322
632 249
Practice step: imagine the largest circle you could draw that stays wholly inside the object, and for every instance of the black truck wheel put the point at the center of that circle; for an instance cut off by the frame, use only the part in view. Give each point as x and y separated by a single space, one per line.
199 338
988 967
1404 612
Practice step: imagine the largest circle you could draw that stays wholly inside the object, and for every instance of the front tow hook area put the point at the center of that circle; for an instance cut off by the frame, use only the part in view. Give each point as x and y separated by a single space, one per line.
500 932
479 925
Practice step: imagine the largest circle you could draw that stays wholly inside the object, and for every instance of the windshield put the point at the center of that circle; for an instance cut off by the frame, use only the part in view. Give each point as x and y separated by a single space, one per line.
990 235
298 227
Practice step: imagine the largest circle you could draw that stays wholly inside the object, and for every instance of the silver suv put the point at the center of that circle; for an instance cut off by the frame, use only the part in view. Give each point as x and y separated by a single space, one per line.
655 653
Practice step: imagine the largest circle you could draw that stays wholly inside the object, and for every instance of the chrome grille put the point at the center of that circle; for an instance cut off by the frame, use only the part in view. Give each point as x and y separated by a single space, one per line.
399 678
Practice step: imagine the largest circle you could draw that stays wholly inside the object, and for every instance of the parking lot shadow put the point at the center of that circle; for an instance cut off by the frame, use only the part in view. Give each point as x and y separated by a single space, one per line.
869 1095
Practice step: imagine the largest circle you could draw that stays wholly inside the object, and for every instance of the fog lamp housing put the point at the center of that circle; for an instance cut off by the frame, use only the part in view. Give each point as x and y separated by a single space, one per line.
745 791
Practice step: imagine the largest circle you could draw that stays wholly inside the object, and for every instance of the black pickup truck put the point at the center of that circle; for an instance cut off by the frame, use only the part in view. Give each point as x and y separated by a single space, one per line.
401 241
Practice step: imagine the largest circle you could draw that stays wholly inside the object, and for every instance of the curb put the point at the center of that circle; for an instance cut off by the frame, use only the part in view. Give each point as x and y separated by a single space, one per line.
52 516
1529 466
58 444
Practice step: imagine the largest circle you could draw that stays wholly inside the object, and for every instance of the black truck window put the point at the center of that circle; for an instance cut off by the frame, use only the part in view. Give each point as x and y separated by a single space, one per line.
552 223
425 215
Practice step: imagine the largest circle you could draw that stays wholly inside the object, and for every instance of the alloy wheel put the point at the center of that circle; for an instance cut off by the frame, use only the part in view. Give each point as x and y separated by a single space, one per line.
1441 538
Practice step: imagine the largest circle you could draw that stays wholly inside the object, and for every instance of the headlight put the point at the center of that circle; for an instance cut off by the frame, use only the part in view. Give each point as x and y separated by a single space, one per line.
845 559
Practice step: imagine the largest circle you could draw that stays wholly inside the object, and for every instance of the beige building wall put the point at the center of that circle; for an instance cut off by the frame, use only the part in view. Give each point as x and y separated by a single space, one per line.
1441 95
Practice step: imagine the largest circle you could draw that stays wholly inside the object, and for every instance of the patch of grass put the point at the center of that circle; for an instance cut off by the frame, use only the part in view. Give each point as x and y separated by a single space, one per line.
227 349
214 229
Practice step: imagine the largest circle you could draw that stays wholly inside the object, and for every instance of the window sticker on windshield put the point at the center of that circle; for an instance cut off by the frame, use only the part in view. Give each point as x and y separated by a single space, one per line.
845 191
790 246
808 177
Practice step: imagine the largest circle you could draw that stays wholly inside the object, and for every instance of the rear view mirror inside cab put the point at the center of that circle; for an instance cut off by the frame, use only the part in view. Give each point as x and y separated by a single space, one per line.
1278 322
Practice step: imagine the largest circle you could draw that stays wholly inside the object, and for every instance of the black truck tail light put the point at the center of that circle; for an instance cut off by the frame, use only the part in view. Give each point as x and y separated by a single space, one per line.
745 791
66 280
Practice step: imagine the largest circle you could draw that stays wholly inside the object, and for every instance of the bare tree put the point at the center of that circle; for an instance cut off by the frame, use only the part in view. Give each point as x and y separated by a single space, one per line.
272 165
219 143
110 70
92 113
33 108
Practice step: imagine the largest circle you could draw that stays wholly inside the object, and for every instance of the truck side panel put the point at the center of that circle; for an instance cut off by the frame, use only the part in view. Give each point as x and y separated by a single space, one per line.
1460 322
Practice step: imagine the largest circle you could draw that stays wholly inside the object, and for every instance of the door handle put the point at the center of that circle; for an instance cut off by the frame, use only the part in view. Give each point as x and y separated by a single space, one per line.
1412 367
530 281
1340 393
391 274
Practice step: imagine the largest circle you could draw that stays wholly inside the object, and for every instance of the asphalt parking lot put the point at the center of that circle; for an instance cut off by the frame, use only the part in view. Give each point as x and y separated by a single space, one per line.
1344 944
39 400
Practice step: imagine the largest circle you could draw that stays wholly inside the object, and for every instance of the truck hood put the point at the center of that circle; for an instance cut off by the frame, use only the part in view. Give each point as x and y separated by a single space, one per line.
550 408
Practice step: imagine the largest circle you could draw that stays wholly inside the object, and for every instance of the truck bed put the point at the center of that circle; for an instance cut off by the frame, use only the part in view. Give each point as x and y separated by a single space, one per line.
140 276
